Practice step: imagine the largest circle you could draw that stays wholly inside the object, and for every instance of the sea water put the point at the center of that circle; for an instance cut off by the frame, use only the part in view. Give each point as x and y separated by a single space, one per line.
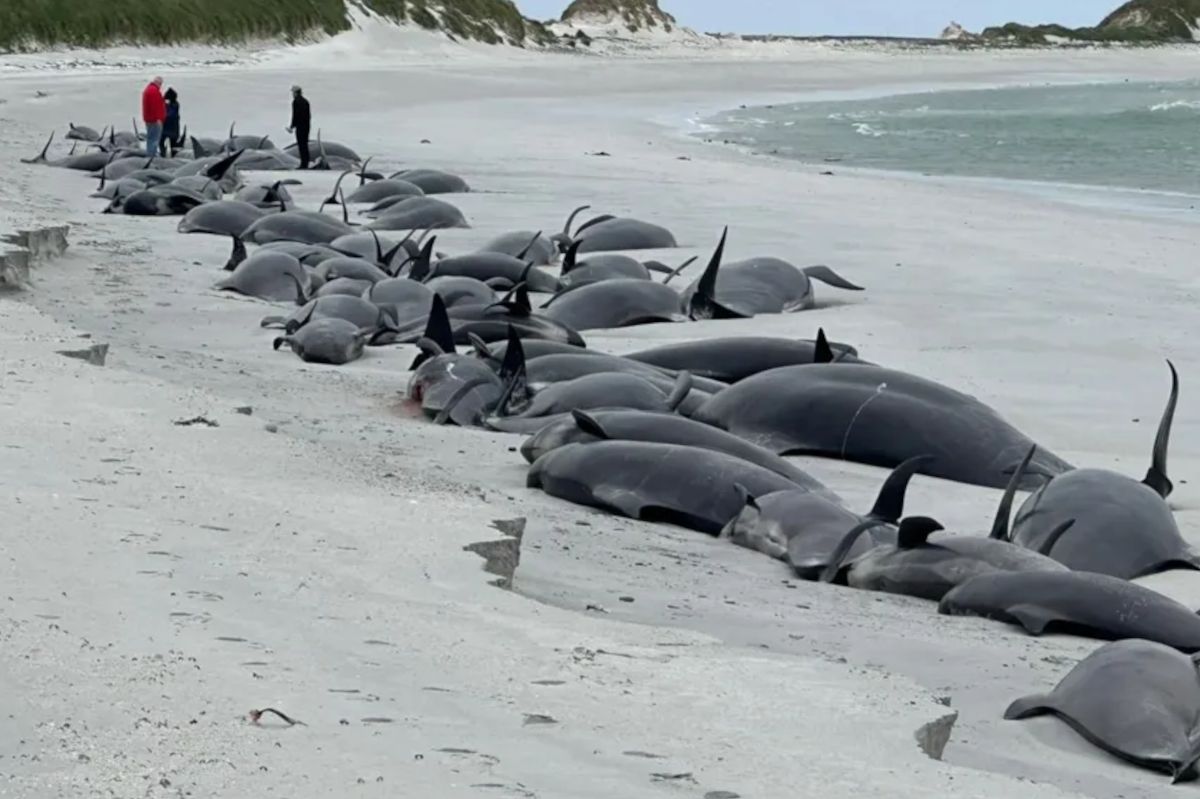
1143 136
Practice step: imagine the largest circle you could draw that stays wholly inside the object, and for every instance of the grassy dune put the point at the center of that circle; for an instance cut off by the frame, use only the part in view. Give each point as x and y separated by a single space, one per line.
466 19
1137 21
95 23
638 14
1166 19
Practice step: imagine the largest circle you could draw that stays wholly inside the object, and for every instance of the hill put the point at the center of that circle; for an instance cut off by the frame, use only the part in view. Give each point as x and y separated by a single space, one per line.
32 24
1137 21
633 15
1163 19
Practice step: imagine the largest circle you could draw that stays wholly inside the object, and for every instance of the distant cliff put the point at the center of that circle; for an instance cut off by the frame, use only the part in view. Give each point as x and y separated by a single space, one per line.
1138 21
634 15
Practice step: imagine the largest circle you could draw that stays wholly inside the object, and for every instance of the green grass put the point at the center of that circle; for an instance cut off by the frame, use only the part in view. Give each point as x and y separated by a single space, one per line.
1161 21
491 21
98 23
1168 19
636 13
1038 34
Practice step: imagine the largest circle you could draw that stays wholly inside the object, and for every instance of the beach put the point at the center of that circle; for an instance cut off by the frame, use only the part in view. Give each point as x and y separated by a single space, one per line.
305 550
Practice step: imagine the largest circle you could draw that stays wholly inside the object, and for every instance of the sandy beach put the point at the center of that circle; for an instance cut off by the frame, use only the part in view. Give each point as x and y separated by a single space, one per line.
306 553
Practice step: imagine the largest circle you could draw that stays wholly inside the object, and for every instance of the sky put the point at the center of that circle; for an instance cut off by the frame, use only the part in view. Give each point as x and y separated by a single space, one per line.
848 17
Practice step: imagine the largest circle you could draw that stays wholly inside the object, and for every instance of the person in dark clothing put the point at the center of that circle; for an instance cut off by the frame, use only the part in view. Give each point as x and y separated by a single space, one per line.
301 124
170 134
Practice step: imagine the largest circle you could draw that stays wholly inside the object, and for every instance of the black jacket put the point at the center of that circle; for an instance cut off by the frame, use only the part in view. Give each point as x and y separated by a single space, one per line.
301 116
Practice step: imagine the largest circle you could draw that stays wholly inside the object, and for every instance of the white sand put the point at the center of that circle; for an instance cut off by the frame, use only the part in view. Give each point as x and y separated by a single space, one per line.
160 581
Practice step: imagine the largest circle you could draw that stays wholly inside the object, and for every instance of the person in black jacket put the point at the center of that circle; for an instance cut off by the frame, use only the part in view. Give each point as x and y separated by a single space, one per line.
170 135
301 124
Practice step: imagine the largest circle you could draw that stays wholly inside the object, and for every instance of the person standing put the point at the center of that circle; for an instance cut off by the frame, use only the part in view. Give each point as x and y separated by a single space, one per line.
170 133
154 114
301 124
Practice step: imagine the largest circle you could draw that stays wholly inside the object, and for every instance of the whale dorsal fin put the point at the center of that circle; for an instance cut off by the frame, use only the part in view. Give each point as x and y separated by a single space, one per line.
378 247
516 301
389 258
889 505
571 219
457 397
569 260
915 531
1156 477
834 568
482 351
593 221
439 334
523 253
1001 531
822 352
588 424
1055 534
514 376
332 199
423 264
515 396
703 303
218 170
438 328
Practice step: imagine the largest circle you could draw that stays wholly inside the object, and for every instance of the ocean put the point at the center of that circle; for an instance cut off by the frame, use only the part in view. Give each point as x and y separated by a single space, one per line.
1143 136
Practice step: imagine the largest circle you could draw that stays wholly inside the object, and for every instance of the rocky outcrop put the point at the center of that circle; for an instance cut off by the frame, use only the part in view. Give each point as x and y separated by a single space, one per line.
634 15
957 33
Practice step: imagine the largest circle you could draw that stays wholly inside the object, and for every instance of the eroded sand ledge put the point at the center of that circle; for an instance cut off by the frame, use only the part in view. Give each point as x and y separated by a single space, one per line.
162 580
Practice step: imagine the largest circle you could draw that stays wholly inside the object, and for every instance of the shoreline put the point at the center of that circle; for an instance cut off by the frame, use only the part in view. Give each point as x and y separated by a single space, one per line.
348 521
1151 203
702 125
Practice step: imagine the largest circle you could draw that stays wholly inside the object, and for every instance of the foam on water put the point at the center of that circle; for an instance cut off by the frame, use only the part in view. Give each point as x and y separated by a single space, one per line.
1174 105
1141 136
863 129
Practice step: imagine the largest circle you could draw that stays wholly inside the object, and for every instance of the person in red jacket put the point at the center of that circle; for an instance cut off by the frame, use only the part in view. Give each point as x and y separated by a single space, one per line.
154 114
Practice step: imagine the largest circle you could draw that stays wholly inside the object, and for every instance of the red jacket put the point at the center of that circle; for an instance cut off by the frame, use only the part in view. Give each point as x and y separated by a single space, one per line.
154 109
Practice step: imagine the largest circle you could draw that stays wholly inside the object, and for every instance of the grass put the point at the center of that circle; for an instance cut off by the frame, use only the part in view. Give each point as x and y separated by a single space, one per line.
94 23
636 13
25 24
1167 19
1136 22
491 21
